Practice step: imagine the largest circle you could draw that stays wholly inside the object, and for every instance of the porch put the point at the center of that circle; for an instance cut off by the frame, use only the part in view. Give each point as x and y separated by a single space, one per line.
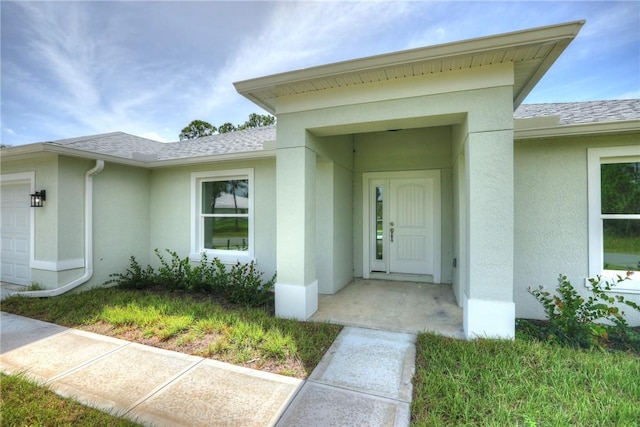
393 306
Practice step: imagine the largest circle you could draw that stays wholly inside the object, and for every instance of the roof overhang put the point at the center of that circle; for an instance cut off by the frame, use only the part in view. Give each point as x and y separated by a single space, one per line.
43 148
531 51
541 130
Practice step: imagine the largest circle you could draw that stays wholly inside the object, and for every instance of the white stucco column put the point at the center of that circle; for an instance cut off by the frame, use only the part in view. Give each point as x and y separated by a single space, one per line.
489 310
297 285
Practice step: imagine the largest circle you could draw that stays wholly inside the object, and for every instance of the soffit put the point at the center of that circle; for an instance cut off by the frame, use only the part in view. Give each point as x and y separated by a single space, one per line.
531 51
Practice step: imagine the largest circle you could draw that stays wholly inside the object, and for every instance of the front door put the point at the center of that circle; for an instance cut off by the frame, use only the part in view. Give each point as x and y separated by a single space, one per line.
404 223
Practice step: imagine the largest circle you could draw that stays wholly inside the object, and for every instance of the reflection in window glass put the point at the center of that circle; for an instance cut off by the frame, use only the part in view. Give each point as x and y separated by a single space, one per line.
621 238
620 188
225 215
226 233
225 197
379 223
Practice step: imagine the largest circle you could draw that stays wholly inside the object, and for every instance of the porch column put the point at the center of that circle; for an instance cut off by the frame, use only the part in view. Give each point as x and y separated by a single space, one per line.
297 285
489 310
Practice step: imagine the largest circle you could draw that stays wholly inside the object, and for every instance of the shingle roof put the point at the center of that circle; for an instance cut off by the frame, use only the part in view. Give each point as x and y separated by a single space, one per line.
134 147
250 140
583 112
230 142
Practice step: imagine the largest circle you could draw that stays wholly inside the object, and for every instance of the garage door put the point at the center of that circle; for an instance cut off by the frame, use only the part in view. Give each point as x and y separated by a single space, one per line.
15 234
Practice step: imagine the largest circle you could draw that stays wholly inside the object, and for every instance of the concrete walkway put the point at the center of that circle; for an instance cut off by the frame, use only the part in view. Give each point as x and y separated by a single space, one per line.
363 380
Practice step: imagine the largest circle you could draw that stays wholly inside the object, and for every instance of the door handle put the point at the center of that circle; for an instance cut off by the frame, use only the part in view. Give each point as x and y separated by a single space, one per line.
391 234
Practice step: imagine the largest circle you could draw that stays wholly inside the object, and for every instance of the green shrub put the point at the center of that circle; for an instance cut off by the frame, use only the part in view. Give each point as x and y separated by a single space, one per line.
591 322
245 286
135 277
241 285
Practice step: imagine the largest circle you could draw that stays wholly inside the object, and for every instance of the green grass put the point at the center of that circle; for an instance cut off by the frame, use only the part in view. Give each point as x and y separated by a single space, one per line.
24 403
194 324
622 244
522 383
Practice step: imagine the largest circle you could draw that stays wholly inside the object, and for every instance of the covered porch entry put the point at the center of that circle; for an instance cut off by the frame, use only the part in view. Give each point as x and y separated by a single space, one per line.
337 123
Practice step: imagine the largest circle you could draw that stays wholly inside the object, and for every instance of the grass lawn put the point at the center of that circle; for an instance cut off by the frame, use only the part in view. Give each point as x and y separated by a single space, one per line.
480 383
195 324
26 404
522 383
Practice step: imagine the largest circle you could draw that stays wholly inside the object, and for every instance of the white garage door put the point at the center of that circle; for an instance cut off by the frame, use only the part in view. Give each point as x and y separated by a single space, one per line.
15 234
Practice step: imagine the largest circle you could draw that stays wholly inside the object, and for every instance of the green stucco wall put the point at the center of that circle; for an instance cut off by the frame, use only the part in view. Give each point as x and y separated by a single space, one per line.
170 209
551 211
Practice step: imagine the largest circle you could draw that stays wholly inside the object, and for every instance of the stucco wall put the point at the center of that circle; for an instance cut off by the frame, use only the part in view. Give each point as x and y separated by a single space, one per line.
170 209
551 231
121 219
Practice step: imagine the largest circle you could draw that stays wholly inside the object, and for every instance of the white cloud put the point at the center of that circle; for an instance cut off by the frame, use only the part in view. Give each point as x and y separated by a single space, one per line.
298 35
153 135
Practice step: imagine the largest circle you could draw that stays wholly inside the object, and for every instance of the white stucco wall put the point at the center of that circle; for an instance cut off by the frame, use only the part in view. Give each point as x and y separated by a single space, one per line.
551 232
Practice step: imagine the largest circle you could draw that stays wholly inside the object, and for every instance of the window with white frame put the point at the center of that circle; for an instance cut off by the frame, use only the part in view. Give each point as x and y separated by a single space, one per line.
222 214
614 214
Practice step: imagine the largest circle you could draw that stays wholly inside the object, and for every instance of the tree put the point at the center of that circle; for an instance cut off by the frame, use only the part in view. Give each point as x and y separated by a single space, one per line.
200 128
226 127
197 129
258 120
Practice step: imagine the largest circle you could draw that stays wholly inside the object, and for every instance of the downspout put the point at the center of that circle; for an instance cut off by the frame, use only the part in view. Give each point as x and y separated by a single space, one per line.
88 241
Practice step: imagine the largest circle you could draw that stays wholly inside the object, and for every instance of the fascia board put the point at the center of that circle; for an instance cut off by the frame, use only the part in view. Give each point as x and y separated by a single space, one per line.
25 150
548 34
247 155
625 126
40 147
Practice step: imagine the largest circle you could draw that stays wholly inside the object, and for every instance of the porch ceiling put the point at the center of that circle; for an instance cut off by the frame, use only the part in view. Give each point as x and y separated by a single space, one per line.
531 51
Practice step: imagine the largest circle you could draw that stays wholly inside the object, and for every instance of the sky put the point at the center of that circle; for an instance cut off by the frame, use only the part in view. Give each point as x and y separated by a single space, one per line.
148 68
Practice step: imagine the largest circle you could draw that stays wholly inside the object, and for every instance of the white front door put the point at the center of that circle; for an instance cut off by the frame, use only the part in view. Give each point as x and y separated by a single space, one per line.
404 226
15 234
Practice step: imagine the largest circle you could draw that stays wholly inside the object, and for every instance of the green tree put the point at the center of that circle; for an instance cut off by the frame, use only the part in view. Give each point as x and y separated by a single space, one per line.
226 127
258 120
197 129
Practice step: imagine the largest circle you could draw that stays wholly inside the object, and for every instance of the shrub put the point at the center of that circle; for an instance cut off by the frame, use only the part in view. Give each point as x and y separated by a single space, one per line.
241 285
590 322
135 277
245 286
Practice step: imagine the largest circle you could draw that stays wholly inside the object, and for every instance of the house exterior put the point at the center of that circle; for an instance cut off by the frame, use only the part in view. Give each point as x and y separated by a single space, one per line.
406 166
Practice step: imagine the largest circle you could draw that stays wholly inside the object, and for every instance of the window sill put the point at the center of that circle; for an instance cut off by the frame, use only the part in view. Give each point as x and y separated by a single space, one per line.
226 258
629 286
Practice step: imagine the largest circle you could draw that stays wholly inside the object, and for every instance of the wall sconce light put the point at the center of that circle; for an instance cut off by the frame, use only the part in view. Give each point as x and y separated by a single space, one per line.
38 198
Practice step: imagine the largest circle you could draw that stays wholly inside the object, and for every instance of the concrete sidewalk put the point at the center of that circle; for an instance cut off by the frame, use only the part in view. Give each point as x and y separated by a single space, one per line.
364 379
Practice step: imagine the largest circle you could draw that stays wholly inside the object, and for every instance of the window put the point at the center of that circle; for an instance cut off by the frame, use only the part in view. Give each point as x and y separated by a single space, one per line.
222 215
614 214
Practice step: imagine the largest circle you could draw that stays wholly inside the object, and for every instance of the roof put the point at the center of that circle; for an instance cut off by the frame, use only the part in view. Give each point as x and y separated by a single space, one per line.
128 146
532 121
583 112
531 51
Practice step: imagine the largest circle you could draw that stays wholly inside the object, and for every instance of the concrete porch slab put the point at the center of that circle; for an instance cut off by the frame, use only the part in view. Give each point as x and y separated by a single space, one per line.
408 307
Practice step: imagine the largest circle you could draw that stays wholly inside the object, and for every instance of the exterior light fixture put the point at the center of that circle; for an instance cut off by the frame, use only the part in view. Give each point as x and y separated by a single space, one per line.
38 198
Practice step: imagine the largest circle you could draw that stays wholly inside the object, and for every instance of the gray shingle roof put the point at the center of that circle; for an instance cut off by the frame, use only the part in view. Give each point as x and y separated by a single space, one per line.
226 143
133 147
583 112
